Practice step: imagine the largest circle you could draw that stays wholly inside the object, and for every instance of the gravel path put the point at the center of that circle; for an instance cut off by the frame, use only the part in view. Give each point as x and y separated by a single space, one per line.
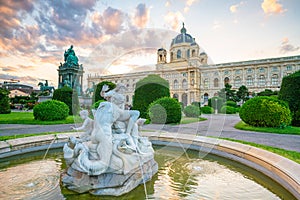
216 125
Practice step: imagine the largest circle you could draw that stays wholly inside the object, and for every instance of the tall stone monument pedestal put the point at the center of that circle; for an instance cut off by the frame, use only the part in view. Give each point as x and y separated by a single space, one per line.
44 98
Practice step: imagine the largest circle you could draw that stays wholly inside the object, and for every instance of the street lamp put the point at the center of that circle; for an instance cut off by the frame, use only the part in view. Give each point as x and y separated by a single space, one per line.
216 106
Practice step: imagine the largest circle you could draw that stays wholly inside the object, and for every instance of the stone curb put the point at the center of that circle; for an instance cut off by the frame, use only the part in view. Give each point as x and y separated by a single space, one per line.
280 169
284 171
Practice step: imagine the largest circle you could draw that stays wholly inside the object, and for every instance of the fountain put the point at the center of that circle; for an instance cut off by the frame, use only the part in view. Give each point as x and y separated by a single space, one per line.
111 158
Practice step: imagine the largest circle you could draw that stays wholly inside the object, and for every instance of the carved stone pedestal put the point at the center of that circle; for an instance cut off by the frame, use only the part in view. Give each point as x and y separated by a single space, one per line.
109 183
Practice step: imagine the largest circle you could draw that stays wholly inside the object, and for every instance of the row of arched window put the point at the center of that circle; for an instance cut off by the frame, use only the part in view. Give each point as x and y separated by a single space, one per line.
184 84
237 81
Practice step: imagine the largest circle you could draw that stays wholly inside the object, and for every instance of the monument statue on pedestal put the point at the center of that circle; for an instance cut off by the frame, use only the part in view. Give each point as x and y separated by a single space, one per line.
70 73
116 159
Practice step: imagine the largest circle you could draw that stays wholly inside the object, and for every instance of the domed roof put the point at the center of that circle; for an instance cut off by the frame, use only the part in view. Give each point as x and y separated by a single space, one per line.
183 37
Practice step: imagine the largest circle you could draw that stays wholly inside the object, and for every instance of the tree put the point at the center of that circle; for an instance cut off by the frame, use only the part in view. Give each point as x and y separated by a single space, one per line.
4 101
242 94
148 90
96 95
227 93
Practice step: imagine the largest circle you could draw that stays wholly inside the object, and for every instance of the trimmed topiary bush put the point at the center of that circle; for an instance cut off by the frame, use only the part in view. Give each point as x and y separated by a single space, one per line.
290 92
228 110
230 103
164 111
147 91
213 103
4 101
69 97
192 111
96 95
265 112
207 110
51 110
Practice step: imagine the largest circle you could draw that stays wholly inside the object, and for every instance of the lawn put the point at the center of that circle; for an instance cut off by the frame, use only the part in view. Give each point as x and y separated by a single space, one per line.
292 130
188 120
27 118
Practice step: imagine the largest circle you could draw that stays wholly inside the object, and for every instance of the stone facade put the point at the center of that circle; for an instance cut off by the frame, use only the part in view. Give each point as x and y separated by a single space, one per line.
192 79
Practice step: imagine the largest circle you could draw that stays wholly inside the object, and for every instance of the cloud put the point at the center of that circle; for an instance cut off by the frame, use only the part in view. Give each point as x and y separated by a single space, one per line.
141 16
112 20
234 8
286 47
188 4
272 7
174 19
167 4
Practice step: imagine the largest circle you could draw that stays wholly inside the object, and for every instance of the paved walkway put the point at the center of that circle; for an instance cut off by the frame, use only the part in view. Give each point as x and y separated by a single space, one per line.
223 126
216 125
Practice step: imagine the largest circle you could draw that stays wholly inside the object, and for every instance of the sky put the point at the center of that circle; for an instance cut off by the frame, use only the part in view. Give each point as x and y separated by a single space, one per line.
123 36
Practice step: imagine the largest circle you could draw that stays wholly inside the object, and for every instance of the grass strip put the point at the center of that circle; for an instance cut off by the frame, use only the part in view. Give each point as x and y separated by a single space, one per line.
11 137
292 155
291 130
28 118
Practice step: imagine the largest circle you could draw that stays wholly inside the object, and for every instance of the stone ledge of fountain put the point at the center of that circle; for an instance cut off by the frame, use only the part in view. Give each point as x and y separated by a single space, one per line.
280 169
34 143
284 171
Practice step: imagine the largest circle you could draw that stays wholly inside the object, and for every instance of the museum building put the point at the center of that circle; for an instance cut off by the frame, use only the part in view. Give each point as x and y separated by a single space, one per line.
192 79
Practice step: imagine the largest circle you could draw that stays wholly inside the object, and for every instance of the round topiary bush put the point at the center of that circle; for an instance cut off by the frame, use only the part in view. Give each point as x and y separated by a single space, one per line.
164 111
265 112
290 92
192 111
51 110
148 90
207 110
230 103
228 110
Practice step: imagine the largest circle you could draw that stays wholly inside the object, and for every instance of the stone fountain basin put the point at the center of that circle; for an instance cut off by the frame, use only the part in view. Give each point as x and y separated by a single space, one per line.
278 168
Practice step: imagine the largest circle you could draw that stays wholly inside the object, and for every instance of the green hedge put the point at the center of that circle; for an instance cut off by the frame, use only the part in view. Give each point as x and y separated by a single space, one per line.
69 97
265 112
192 111
51 110
4 101
164 111
207 110
290 92
228 110
148 90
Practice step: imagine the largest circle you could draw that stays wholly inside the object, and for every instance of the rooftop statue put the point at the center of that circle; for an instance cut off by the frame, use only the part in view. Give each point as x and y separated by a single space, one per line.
115 159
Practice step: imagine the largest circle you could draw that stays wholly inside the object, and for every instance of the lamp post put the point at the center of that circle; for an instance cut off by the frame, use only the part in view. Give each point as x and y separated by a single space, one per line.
216 106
